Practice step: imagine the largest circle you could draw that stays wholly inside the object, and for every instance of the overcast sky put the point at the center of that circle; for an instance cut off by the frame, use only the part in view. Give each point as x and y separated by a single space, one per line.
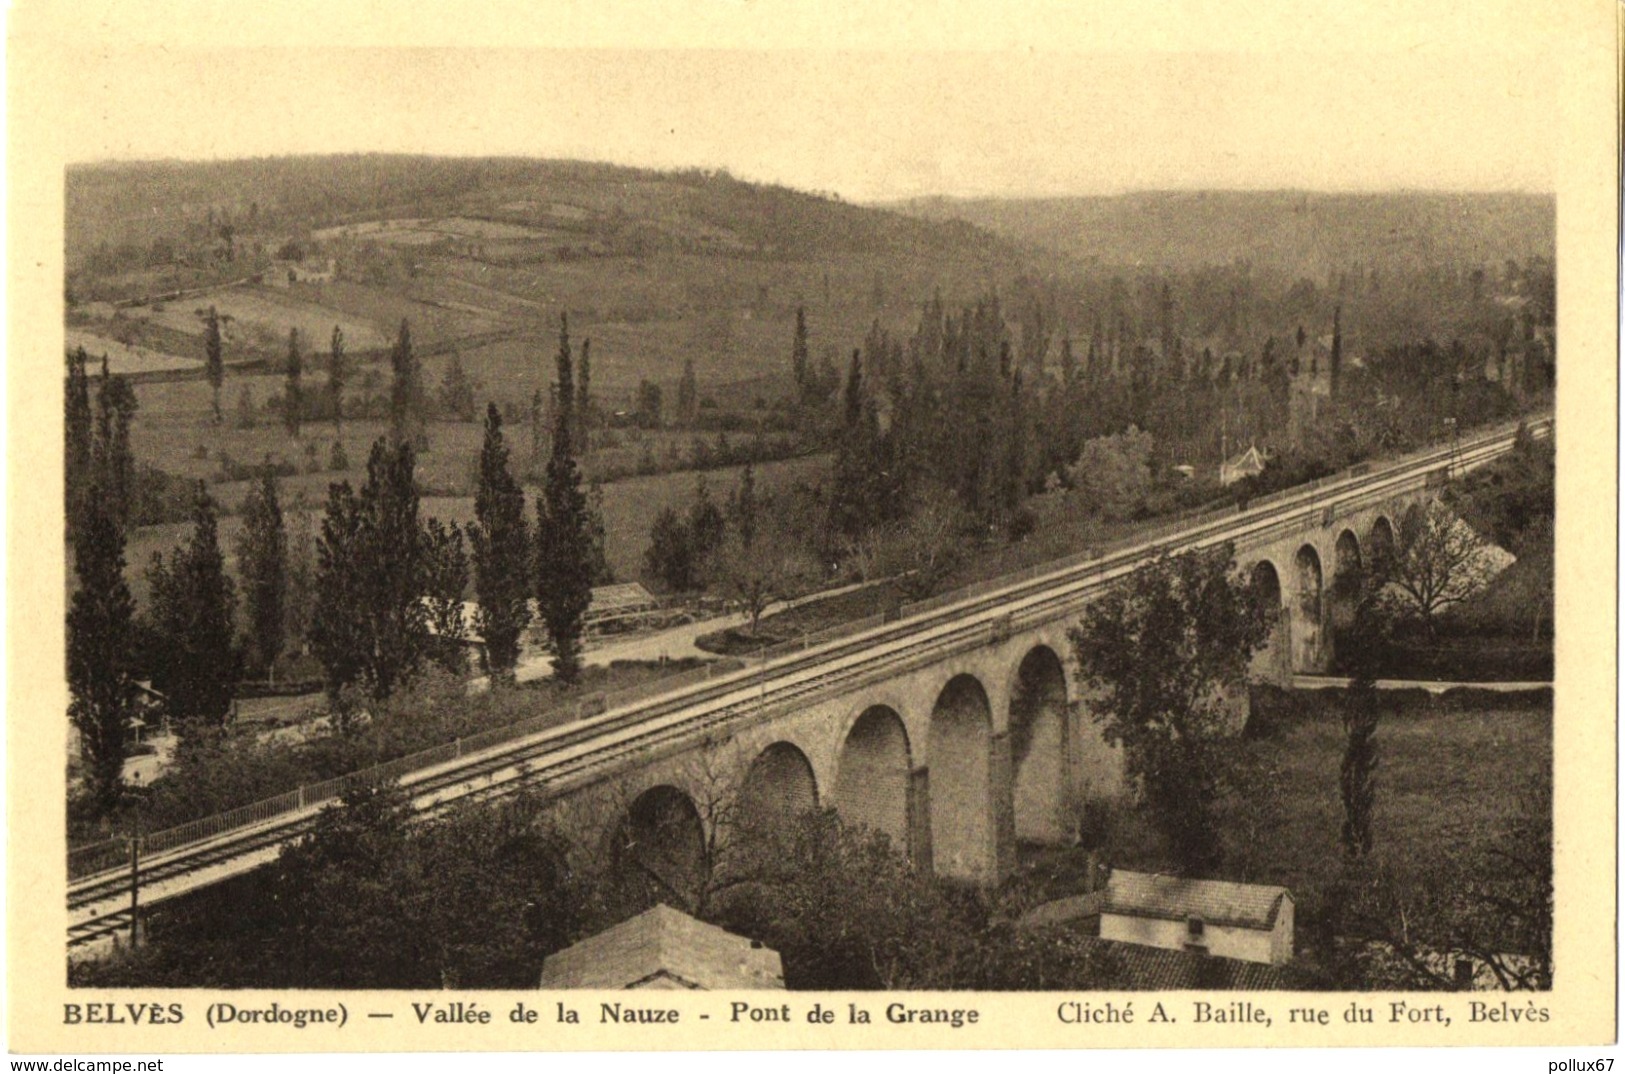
867 125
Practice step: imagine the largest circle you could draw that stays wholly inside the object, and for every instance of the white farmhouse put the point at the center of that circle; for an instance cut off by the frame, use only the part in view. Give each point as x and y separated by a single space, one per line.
1251 922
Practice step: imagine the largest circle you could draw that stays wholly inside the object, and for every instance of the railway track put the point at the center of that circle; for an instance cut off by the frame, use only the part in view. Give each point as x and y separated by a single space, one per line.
568 756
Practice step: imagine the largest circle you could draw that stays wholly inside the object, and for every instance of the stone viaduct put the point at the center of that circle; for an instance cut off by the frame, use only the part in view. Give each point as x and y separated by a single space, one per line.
959 760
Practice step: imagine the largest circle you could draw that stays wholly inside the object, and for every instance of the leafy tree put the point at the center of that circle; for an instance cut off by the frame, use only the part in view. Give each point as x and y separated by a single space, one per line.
193 607
924 548
563 557
670 555
1512 501
500 540
456 391
293 398
338 374
406 418
214 368
1437 561
370 898
1113 473
1166 649
262 557
445 581
774 566
101 681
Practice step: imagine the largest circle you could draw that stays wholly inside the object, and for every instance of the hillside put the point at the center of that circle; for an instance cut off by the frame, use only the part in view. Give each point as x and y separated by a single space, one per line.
1296 233
482 255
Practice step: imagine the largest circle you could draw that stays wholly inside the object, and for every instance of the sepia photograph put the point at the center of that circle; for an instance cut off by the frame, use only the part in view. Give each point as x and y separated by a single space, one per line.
924 523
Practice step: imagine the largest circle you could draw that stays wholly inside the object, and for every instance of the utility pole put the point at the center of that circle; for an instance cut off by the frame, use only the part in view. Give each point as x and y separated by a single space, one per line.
135 871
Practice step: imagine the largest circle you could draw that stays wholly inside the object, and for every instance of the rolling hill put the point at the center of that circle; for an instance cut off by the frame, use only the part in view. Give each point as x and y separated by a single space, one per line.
1297 233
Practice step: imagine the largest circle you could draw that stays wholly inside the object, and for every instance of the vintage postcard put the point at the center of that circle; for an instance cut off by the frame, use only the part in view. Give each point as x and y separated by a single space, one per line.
768 525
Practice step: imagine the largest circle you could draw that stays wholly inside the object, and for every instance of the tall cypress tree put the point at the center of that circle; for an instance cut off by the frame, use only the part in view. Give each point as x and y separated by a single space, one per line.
193 605
101 682
214 366
293 395
500 538
798 353
406 393
338 373
445 581
338 621
369 626
563 569
262 555
111 458
79 426
392 569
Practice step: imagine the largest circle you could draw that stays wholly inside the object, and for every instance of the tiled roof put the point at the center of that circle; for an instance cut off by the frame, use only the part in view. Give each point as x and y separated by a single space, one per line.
1217 902
664 948
1149 969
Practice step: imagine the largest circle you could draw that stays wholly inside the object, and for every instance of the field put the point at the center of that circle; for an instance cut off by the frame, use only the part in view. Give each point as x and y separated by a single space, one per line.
630 506
255 317
125 358
1449 778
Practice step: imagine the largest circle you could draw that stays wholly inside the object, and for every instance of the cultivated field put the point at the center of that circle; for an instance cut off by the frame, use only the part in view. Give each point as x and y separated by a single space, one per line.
257 317
125 358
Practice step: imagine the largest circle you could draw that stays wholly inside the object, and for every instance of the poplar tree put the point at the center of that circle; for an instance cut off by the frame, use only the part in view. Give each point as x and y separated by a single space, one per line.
79 427
406 393
338 626
563 568
101 682
500 540
338 372
214 366
369 626
193 609
111 458
798 352
293 400
262 556
392 569
445 580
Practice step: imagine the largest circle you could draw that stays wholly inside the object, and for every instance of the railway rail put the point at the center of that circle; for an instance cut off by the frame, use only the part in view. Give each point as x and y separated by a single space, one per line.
567 756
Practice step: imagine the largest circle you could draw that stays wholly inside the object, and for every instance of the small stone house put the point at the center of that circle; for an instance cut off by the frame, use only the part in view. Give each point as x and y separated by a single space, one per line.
664 948
1222 918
